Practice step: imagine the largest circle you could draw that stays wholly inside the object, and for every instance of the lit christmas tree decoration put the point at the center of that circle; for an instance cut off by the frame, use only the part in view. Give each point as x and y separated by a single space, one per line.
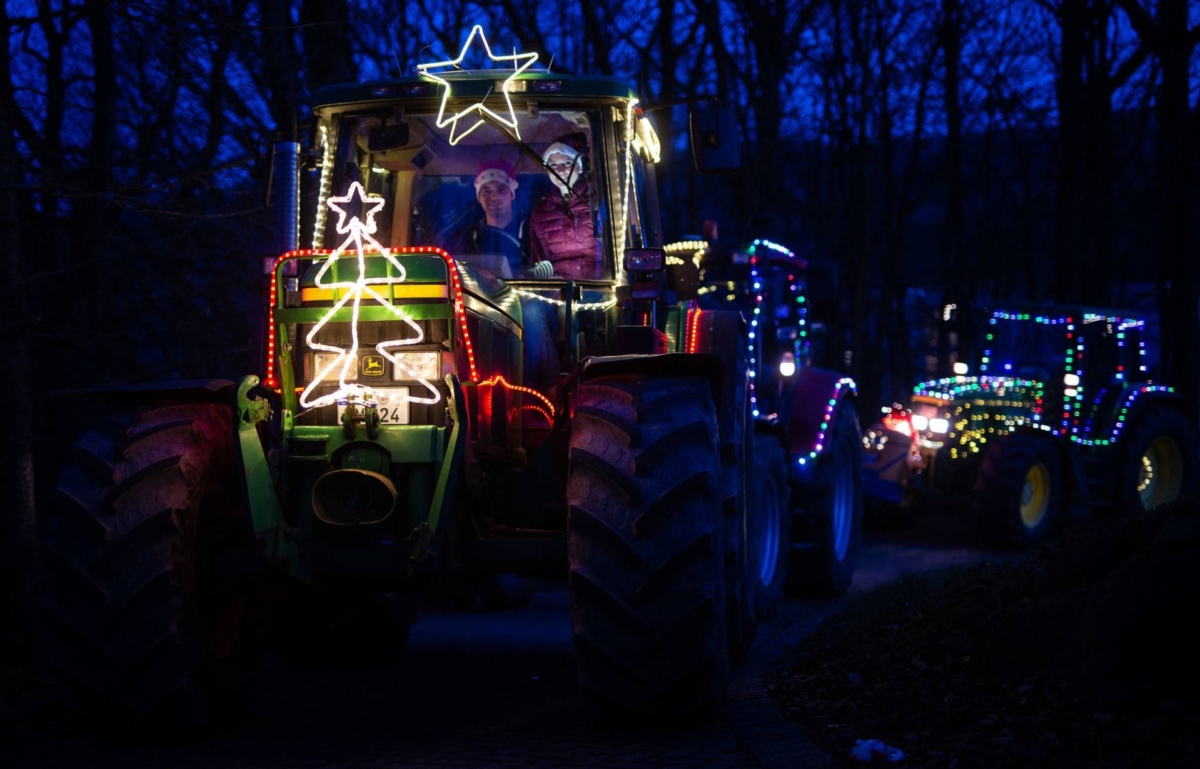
521 62
345 359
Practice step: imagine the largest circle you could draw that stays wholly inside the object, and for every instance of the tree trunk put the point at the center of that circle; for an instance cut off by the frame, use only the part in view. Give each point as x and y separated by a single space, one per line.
16 314
1176 156
1172 42
953 257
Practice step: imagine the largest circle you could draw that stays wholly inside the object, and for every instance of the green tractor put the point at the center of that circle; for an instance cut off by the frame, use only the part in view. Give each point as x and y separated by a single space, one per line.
443 401
1062 414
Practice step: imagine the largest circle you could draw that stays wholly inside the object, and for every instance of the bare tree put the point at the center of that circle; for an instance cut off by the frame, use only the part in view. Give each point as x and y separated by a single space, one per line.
1173 43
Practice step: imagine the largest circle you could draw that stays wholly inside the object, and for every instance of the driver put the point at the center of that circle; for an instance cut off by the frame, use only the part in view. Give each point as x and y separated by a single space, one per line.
499 231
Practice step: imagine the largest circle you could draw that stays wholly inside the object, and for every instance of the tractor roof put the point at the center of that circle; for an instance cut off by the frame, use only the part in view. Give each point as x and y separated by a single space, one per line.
475 84
1076 312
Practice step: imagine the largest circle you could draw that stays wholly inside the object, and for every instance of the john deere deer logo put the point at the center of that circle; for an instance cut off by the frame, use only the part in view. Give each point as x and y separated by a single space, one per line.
372 365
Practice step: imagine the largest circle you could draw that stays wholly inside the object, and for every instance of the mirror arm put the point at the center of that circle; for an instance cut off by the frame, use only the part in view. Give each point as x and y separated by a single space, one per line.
710 100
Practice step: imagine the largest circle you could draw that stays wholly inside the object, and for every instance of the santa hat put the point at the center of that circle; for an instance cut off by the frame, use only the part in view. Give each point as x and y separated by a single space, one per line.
496 171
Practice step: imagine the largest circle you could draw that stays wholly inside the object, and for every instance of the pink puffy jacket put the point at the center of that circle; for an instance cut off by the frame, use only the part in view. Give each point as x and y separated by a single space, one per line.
562 232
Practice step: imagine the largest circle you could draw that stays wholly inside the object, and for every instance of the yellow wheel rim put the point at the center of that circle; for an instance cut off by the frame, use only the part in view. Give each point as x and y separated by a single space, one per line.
1160 476
1035 496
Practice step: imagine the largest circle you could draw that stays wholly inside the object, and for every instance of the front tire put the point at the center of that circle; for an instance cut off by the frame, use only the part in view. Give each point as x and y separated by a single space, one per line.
1019 491
136 627
770 525
1158 462
645 546
833 520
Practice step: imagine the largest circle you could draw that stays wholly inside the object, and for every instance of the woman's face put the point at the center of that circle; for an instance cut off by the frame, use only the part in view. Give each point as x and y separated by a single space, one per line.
565 167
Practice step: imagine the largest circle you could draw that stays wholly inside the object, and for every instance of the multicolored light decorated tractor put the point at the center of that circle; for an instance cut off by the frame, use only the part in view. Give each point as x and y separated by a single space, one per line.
1062 410
435 410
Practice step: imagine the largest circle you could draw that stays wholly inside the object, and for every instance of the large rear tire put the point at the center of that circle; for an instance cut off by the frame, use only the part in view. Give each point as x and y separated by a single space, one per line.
645 545
137 628
1018 493
1158 462
824 565
736 425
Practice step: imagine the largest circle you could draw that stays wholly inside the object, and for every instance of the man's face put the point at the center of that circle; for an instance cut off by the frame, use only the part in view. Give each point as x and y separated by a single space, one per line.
496 199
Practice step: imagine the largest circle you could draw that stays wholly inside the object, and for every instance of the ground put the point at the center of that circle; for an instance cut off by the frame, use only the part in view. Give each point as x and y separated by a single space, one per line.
497 689
1074 654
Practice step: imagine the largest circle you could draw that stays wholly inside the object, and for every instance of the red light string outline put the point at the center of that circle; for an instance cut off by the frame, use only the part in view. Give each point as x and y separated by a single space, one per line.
310 253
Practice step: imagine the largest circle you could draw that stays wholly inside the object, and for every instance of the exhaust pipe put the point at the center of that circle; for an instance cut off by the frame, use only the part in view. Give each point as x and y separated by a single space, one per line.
286 179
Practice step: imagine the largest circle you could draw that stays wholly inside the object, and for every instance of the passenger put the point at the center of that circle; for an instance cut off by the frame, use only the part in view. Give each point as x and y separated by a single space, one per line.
562 230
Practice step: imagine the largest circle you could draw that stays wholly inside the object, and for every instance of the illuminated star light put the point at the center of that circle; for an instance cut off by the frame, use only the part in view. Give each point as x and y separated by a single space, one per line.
359 234
521 62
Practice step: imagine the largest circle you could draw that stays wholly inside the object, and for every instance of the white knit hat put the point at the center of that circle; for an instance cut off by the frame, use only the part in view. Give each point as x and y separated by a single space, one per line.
558 148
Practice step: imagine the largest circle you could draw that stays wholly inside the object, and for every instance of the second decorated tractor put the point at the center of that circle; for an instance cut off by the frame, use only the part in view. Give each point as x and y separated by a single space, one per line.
434 410
1062 413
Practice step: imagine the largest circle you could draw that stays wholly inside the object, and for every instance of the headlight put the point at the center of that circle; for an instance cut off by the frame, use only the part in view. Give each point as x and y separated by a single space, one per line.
939 425
919 422
874 441
419 365
323 360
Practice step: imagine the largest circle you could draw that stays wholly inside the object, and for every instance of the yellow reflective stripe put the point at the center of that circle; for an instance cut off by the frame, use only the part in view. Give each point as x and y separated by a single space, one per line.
399 291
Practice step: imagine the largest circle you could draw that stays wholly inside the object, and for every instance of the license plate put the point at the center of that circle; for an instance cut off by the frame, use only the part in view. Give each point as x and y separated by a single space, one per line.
392 408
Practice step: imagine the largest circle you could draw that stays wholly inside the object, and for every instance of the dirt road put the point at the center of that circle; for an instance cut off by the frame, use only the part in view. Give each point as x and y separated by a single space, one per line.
498 690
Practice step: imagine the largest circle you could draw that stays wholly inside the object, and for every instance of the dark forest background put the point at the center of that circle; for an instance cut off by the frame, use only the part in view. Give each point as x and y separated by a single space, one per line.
927 152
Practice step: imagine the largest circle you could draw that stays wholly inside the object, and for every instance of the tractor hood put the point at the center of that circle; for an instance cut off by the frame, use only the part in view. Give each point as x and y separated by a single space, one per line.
939 392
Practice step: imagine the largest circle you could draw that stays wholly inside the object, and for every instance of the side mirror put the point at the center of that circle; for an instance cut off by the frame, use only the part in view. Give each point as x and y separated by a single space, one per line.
645 260
713 135
388 137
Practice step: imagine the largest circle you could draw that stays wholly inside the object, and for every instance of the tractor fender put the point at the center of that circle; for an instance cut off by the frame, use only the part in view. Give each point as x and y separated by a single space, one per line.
815 397
1134 399
703 365
258 490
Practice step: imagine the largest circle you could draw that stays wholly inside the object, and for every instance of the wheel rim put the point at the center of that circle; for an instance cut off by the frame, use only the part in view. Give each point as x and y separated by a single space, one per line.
843 505
1160 476
1035 496
769 533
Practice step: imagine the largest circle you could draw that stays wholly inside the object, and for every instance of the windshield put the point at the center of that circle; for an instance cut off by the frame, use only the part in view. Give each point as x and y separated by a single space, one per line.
1024 348
485 199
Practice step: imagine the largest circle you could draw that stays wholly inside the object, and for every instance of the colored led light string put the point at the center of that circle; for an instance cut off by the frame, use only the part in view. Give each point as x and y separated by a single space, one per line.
843 383
1123 414
1087 429
753 349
